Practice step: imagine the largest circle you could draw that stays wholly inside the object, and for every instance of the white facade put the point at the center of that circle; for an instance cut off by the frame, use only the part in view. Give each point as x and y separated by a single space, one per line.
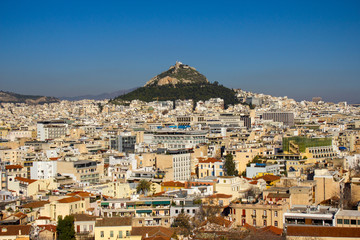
43 170
181 166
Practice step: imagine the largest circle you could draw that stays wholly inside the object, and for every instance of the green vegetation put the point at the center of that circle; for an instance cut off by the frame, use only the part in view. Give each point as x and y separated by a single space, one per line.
230 169
182 91
304 142
143 186
184 74
65 228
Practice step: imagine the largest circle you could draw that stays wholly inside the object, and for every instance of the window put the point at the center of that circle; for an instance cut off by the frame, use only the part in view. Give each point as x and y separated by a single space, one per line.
254 212
339 221
127 233
276 213
264 212
102 234
111 233
358 222
254 222
264 223
120 234
276 223
346 221
353 222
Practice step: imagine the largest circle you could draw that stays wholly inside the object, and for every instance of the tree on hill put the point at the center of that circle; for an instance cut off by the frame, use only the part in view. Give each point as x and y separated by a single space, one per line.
229 166
65 228
143 186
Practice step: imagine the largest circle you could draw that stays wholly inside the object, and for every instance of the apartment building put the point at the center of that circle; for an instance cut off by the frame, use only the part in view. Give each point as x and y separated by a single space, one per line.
83 171
209 167
144 211
259 214
43 169
176 164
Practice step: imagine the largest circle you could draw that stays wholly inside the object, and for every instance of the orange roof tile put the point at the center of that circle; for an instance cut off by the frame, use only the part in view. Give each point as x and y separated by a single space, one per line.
69 199
219 195
27 180
210 160
7 167
172 184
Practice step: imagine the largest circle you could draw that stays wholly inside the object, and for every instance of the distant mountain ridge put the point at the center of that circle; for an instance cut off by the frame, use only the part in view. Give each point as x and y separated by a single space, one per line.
101 96
179 82
10 97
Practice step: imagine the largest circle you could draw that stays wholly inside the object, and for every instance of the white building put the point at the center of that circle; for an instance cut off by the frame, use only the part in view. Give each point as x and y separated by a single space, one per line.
51 130
43 170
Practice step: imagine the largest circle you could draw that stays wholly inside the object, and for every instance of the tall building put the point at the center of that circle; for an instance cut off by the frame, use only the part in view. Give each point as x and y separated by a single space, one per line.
287 118
51 129
123 143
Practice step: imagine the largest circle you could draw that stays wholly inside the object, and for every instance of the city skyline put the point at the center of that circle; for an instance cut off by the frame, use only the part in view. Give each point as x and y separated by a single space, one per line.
297 49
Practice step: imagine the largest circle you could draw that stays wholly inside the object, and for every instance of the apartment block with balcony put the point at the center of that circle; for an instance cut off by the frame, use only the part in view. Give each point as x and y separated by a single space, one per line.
144 211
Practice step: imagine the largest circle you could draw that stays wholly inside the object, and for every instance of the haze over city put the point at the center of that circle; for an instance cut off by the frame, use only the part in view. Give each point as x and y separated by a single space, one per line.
298 49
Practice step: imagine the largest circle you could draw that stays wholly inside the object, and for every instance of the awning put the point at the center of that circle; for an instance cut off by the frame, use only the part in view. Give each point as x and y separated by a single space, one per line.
161 202
104 204
143 211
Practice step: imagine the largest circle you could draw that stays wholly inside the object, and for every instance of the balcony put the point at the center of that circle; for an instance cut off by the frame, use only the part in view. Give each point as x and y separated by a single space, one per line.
253 215
264 216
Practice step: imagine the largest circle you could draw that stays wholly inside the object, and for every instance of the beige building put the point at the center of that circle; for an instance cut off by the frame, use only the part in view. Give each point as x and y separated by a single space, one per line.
114 228
83 171
258 215
301 195
327 185
65 206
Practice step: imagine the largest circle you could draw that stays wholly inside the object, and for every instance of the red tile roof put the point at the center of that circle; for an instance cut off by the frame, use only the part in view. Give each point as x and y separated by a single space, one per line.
37 204
172 184
79 193
209 160
315 231
49 227
13 230
7 167
69 199
269 178
26 180
219 195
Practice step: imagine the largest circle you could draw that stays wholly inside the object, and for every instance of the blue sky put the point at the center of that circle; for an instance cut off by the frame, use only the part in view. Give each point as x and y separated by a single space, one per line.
299 49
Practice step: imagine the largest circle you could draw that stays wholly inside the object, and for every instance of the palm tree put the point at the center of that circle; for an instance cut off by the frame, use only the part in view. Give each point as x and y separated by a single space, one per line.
143 186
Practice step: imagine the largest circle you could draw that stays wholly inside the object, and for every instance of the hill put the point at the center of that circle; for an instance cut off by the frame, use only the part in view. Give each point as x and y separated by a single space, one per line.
179 82
9 97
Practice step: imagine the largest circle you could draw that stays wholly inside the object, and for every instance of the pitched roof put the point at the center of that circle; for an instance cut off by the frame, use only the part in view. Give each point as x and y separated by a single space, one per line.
84 217
153 232
209 160
7 167
269 178
172 184
37 204
49 227
114 221
70 199
219 195
220 221
27 180
79 193
314 231
13 230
